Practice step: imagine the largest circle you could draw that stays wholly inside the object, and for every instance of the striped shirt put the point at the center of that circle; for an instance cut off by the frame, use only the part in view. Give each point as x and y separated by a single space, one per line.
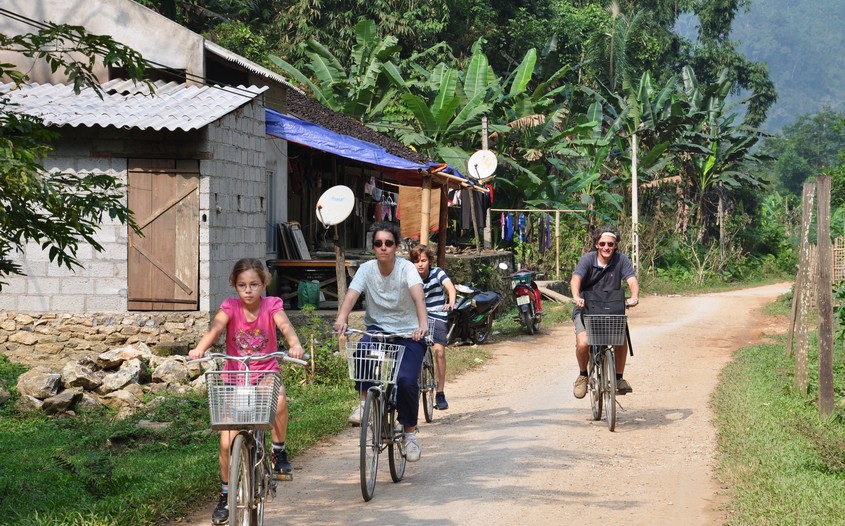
435 294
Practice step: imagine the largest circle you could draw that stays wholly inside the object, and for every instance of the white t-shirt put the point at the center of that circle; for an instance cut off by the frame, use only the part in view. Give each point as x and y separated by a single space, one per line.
389 302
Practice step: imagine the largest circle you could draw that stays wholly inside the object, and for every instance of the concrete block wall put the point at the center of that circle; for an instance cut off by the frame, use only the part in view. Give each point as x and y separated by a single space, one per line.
233 204
98 286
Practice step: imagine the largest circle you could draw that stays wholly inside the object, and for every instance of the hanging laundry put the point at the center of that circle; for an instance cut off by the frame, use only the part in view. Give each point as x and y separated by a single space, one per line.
548 231
541 234
523 220
507 226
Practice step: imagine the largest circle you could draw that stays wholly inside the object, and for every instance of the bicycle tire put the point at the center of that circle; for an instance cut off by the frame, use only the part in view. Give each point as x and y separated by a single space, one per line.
609 386
428 385
240 481
594 379
395 456
265 488
370 443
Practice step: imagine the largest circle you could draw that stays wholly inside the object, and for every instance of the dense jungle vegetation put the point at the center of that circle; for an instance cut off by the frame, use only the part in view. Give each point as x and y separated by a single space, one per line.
571 90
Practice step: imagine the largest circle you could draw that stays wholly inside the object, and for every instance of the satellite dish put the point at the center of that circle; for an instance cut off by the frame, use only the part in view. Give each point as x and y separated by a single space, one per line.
481 164
335 205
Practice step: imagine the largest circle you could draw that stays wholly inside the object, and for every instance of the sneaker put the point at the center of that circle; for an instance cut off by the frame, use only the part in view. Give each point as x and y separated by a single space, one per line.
623 387
220 515
412 447
355 417
440 402
281 464
580 387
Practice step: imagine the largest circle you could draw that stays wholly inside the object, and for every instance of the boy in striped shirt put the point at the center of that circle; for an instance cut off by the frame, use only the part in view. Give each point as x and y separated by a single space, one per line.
440 296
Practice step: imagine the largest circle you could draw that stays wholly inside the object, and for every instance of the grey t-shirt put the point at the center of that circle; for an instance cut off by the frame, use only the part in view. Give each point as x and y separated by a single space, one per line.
389 301
619 269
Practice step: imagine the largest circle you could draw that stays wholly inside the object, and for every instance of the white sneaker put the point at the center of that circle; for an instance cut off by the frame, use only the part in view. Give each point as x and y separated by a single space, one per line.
412 447
355 416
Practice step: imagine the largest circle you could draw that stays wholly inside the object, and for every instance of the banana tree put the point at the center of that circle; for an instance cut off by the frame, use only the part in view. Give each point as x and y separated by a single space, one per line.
362 91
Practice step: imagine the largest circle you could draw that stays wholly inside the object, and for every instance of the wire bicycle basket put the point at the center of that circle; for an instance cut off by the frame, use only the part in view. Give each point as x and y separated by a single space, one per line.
242 399
605 329
374 362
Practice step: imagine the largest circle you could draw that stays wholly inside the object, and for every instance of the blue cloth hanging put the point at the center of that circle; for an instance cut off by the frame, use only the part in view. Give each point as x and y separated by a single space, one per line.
522 227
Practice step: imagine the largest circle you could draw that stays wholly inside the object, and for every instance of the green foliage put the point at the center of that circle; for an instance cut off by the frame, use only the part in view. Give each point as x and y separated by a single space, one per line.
57 210
239 38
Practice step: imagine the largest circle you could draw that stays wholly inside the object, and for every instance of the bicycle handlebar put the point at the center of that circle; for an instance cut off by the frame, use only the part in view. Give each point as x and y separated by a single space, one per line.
249 359
428 337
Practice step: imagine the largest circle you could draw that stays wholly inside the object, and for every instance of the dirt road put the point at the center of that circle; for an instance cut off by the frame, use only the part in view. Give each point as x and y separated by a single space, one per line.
516 447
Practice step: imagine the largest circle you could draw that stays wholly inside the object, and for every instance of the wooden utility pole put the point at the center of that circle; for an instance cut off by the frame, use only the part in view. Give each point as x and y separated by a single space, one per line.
824 295
803 293
635 205
339 269
488 230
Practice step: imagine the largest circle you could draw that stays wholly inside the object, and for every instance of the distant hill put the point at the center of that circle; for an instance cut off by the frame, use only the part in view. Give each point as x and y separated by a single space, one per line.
803 43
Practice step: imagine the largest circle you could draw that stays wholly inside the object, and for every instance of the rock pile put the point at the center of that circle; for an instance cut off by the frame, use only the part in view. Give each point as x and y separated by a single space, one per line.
118 379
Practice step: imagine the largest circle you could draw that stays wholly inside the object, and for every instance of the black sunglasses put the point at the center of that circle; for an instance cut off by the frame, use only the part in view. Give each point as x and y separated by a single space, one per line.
387 242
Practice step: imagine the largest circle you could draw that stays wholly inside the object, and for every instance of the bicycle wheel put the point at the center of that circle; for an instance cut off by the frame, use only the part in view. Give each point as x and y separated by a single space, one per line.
394 446
240 481
609 387
428 386
265 486
370 442
594 385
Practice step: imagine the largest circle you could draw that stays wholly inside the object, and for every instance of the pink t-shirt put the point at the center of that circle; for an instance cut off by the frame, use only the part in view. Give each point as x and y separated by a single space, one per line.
251 337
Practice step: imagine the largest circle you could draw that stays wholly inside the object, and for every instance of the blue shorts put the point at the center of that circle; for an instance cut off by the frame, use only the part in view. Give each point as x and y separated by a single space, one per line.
438 332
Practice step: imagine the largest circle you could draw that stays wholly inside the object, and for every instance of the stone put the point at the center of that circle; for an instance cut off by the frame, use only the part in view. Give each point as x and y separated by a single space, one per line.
116 381
120 399
39 382
114 358
62 402
24 337
140 371
27 403
76 374
172 371
4 396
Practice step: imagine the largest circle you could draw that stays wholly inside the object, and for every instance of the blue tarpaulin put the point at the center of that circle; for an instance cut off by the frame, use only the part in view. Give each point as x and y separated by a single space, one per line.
315 136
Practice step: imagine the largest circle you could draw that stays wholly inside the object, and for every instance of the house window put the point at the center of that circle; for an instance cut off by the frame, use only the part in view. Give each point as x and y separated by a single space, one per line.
270 207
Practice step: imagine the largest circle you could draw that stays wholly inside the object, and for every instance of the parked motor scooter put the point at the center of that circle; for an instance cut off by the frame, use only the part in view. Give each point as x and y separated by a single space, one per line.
527 296
472 318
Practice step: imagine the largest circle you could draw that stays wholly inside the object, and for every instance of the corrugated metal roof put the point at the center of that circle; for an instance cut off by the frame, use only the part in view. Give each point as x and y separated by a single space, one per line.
247 64
127 105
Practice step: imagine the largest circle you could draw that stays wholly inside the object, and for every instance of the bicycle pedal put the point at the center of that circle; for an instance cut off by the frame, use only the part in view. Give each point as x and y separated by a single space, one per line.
282 476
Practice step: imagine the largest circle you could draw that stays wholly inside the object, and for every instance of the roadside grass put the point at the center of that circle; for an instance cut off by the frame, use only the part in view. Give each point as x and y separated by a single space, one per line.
781 462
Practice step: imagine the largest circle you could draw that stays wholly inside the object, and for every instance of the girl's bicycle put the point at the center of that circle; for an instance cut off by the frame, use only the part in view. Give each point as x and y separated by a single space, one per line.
377 362
245 401
603 332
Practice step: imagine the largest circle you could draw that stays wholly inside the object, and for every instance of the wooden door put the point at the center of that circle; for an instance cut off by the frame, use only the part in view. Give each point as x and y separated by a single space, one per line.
163 264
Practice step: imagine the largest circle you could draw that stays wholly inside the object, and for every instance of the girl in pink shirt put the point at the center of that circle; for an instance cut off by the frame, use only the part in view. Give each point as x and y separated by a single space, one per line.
250 323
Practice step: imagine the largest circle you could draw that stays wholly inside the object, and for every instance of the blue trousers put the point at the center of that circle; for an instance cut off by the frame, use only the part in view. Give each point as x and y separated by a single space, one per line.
407 381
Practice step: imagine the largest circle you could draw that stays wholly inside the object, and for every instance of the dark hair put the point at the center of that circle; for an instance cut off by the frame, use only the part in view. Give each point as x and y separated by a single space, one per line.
386 226
419 250
595 235
249 264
